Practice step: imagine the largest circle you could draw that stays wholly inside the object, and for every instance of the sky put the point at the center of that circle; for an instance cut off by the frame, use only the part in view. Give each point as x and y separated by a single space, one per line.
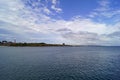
77 22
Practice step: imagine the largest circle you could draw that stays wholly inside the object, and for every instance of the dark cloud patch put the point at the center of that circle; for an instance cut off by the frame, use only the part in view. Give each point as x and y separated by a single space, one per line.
82 37
64 30
114 34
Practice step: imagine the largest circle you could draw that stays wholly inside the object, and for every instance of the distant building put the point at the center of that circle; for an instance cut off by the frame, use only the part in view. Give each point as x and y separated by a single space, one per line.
63 44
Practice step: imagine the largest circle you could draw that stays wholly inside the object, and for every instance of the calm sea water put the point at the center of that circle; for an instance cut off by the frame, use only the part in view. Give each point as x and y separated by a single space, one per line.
59 63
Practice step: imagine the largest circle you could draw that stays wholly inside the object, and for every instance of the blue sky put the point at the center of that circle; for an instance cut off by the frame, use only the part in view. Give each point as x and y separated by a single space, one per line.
81 22
77 7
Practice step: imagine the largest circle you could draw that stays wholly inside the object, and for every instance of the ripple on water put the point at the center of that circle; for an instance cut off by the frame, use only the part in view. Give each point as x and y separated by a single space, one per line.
59 63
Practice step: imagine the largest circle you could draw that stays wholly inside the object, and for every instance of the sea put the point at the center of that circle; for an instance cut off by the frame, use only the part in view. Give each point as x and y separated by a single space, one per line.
60 63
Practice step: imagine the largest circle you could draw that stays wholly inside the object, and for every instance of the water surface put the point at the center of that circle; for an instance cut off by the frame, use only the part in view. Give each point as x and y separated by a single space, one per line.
59 63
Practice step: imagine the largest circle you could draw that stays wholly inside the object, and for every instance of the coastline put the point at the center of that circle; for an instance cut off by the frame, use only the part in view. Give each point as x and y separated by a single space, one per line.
32 45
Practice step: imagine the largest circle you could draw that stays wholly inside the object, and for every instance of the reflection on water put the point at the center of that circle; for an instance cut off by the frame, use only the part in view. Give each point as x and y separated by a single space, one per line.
59 63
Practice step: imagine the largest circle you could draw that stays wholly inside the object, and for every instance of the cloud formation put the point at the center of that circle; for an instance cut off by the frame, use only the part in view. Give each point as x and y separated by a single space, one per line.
31 20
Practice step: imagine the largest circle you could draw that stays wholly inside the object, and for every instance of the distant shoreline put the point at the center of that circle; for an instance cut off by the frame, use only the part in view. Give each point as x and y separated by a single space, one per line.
30 44
20 44
43 45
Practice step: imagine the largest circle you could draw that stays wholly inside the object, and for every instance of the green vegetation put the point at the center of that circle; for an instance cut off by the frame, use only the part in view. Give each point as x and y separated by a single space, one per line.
6 43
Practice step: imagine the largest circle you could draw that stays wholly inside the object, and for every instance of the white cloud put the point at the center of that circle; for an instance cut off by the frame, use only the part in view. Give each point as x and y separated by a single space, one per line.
54 1
104 5
46 10
54 4
56 9
105 10
33 24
